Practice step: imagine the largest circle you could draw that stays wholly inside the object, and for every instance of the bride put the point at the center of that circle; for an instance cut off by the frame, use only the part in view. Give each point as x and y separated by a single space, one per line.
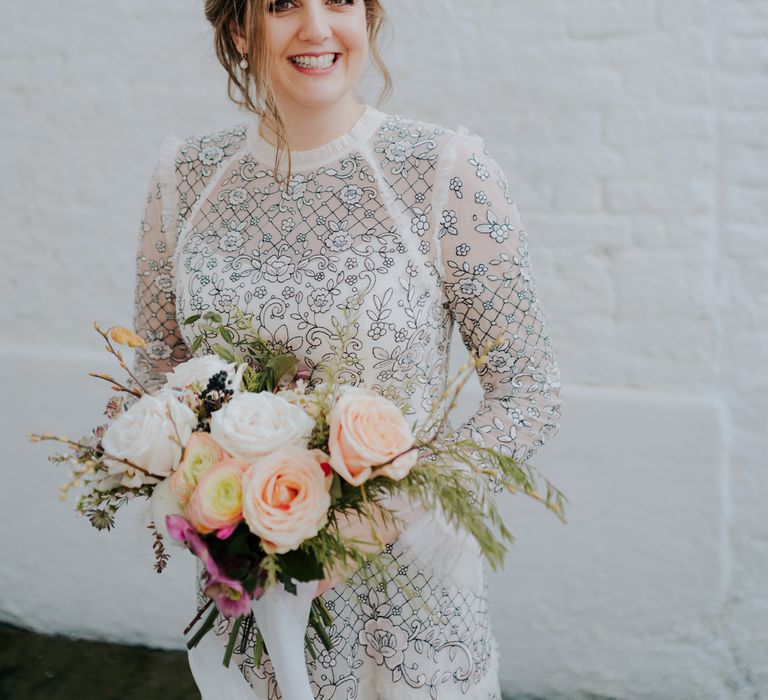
316 199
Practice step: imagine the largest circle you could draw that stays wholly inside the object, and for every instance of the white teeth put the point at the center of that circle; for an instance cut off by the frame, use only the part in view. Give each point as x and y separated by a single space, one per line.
324 61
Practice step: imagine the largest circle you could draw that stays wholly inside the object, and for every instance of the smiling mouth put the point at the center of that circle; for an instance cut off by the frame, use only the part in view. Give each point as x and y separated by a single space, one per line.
315 64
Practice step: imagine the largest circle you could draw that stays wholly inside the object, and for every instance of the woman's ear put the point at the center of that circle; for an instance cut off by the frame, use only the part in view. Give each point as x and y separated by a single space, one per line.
237 37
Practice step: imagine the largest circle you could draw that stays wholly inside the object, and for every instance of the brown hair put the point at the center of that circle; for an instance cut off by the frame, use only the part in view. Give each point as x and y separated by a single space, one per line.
251 88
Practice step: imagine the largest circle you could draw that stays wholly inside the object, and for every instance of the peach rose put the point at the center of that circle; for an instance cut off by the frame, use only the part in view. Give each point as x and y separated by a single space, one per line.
286 496
200 454
365 430
217 501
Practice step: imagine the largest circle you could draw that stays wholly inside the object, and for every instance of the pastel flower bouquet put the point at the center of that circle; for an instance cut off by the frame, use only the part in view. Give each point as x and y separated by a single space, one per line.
266 476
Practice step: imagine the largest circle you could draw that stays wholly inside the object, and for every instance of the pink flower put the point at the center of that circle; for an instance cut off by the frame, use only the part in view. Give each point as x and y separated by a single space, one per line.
181 530
229 596
225 532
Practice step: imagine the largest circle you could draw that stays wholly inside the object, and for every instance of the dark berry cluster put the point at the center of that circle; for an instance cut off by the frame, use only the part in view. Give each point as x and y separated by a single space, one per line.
215 394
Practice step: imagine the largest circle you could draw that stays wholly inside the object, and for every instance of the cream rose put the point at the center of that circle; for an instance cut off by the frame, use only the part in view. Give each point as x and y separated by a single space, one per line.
286 496
200 454
200 370
146 436
366 430
252 425
217 501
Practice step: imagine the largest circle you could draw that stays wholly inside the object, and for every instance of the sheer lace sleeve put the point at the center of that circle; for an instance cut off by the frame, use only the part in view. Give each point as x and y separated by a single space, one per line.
155 299
489 287
482 258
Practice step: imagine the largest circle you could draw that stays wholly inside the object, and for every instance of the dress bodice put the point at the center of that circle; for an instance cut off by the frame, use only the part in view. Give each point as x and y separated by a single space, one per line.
307 258
408 226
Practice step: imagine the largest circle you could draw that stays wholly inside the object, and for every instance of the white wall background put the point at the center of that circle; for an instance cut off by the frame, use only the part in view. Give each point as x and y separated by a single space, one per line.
635 137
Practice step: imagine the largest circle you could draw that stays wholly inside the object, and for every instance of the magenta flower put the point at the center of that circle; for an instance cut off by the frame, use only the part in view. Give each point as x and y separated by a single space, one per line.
229 596
225 532
182 531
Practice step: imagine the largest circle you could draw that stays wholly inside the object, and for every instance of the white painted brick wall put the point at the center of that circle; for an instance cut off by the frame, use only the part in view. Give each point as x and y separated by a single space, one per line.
635 137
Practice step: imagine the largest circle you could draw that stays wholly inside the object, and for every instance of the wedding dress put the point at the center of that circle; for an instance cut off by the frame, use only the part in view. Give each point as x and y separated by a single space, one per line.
419 218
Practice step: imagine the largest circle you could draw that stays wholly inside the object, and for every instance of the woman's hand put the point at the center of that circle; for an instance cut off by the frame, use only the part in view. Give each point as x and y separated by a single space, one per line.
370 536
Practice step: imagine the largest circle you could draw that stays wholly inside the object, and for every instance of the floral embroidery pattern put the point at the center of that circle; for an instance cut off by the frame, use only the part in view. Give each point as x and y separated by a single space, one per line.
297 259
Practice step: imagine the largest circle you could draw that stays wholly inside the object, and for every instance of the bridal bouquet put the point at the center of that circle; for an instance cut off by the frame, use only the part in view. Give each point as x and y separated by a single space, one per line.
259 471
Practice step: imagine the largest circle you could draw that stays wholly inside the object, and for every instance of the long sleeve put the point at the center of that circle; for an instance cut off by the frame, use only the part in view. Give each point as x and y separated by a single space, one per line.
489 287
155 299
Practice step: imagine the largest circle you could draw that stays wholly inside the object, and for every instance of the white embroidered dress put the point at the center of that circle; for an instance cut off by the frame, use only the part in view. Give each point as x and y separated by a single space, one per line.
419 217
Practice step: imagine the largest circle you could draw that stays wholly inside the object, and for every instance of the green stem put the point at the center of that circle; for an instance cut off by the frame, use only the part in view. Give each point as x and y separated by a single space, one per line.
203 628
246 631
317 625
258 648
310 647
319 605
232 638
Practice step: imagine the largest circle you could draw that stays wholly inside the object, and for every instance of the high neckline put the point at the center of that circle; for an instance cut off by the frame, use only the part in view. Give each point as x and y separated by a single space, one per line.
265 152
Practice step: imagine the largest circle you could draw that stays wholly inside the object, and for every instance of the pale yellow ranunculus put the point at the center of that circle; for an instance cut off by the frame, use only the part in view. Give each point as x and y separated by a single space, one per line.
200 454
217 501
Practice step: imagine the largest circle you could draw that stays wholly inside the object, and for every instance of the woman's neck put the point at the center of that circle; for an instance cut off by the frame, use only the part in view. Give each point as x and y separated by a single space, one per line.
311 127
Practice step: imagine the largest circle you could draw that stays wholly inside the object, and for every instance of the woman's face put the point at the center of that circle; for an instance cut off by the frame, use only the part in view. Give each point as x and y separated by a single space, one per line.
319 48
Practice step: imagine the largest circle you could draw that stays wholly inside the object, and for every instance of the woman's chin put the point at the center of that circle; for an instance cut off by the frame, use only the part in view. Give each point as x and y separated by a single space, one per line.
317 97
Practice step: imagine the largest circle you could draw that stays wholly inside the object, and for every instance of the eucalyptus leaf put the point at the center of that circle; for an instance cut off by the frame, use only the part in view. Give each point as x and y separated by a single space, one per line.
223 353
284 365
226 335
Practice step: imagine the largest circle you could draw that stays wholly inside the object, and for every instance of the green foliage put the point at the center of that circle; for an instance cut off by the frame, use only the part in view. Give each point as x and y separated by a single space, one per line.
267 366
301 565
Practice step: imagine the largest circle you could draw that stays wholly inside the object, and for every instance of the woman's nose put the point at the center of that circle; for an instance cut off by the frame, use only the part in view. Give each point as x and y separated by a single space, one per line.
314 23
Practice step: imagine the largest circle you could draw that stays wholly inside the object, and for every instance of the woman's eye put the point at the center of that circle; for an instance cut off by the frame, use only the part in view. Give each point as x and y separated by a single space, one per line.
283 5
279 6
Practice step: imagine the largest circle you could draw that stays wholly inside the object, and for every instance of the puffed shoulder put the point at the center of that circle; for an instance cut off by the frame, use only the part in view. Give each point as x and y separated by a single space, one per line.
411 127
222 137
205 150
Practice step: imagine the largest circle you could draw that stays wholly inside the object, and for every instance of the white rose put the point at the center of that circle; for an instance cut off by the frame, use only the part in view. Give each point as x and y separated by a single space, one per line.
145 436
162 503
201 369
252 425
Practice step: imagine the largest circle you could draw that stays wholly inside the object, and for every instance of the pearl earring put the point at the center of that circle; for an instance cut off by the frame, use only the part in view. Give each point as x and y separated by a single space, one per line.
244 63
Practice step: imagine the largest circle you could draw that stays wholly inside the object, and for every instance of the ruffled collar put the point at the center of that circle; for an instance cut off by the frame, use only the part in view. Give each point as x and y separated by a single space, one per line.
360 131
